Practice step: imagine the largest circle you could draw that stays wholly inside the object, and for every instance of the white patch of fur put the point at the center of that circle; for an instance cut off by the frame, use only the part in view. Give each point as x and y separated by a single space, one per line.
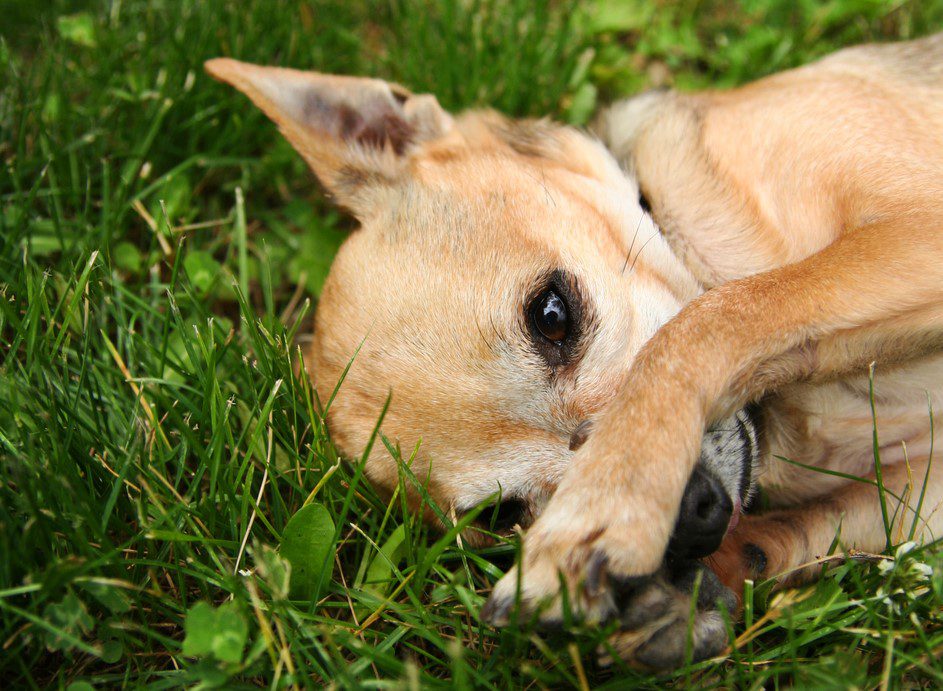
723 453
619 125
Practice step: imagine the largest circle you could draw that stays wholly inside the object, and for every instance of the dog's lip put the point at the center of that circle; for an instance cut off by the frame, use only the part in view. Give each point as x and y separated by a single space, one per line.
734 516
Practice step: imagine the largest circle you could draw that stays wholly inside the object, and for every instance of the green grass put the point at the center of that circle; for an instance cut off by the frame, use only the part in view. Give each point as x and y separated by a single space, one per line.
155 438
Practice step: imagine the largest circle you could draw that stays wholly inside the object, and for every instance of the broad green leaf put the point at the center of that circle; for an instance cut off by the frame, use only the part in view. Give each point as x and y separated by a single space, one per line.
77 28
70 616
380 572
173 198
307 544
200 626
316 238
232 630
112 651
620 16
221 632
202 269
108 595
127 256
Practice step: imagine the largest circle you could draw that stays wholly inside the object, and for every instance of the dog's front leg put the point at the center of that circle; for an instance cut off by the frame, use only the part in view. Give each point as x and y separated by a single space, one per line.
610 520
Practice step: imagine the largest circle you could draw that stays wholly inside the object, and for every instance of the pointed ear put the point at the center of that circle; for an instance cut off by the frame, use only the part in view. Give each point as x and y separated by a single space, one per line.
355 133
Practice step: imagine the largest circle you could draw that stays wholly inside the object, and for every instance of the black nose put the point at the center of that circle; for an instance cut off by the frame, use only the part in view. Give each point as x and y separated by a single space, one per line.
703 519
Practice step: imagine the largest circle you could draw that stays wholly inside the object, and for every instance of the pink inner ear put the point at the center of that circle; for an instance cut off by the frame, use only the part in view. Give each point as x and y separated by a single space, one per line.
389 127
373 125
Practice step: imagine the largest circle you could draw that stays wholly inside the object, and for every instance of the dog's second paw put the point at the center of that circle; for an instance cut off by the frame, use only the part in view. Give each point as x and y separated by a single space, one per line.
584 568
677 615
662 623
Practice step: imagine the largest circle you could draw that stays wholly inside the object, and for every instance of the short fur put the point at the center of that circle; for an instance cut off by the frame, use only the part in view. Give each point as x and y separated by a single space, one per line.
801 239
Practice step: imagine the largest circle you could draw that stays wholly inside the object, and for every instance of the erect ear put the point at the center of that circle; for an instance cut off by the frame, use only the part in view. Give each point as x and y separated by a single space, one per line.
355 133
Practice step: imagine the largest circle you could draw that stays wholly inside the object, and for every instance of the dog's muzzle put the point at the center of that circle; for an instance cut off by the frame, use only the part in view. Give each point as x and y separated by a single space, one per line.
720 486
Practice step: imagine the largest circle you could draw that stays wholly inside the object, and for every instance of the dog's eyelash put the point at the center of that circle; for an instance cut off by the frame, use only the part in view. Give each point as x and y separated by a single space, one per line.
644 203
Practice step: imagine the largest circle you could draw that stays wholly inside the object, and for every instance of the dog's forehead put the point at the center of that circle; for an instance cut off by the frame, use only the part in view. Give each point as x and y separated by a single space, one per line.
432 295
517 205
441 273
480 234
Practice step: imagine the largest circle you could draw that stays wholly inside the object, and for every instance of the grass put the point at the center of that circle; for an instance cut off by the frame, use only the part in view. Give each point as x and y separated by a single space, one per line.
160 249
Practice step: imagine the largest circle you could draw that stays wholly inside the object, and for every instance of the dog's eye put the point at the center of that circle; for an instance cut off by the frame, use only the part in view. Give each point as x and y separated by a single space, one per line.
555 318
549 315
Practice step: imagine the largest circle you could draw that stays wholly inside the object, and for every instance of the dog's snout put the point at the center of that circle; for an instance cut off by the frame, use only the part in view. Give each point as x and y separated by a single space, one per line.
703 519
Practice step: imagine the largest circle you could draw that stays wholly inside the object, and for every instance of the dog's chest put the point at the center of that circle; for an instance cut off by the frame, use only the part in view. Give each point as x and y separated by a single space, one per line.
831 426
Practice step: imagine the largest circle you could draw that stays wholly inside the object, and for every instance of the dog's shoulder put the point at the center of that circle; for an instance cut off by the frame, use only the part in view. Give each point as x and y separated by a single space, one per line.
621 125
915 63
708 218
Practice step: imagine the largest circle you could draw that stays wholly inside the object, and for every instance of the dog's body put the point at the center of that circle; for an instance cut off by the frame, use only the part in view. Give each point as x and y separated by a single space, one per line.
506 280
748 181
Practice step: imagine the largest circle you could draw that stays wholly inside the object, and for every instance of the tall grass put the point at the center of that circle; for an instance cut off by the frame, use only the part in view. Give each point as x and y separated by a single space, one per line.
160 250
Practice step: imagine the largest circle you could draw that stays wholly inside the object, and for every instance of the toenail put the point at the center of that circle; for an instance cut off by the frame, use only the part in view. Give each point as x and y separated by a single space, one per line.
580 434
596 573
495 611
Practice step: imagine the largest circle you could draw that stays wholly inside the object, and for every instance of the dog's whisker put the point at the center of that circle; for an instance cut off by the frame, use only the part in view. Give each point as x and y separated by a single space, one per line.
641 249
481 333
634 236
494 328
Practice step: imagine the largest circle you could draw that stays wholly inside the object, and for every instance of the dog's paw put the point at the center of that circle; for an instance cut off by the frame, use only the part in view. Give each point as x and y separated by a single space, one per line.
769 546
739 559
663 624
584 566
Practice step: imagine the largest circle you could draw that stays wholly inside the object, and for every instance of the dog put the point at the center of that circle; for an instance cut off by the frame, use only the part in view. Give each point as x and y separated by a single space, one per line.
616 337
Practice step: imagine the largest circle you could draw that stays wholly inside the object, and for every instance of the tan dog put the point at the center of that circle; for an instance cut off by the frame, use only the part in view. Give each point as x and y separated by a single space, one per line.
507 287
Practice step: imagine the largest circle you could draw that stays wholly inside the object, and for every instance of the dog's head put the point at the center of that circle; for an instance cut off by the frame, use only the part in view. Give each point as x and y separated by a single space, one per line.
503 277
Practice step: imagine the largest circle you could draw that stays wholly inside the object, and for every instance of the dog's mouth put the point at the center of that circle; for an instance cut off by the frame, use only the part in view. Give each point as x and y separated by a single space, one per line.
499 519
716 495
735 516
505 515
721 486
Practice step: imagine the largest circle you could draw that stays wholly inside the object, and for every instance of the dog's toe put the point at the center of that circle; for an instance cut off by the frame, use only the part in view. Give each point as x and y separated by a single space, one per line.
660 626
648 603
496 610
557 581
701 637
711 593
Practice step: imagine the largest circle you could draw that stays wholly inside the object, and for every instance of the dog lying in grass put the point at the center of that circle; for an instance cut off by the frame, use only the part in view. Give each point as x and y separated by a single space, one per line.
620 341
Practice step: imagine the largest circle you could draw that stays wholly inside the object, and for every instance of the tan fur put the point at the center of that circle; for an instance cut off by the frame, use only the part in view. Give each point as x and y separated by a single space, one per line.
801 239
812 203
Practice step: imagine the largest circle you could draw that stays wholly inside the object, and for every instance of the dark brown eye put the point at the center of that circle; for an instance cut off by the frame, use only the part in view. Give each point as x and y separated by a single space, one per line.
549 315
